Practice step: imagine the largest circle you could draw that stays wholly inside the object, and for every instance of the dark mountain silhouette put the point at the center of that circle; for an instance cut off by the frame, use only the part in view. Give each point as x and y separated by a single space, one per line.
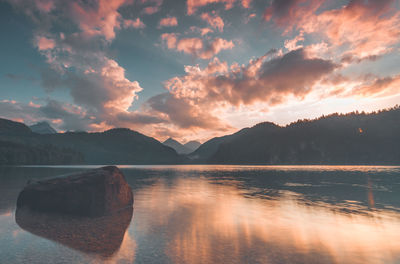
42 128
192 145
354 138
12 153
18 145
203 153
9 127
179 148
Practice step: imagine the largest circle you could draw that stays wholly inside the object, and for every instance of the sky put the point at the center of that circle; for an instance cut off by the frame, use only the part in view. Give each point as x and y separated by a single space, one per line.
195 69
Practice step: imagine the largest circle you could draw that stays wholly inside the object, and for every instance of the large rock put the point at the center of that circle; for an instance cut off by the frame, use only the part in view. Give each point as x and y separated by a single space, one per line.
97 192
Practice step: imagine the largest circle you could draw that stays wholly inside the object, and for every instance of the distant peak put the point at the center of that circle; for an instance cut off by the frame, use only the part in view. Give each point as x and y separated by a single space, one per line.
43 127
171 140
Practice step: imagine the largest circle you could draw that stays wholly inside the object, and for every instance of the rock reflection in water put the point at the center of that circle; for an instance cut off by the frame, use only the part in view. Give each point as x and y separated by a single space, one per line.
101 236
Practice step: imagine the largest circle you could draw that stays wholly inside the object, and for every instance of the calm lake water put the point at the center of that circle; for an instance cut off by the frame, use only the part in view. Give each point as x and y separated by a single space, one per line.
218 214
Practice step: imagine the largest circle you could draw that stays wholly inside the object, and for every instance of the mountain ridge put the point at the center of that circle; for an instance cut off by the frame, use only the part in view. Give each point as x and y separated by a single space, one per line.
336 139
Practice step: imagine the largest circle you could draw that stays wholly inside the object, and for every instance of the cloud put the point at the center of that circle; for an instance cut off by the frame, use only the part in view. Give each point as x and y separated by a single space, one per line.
98 17
137 23
43 43
197 47
170 40
376 22
292 43
246 3
193 5
266 79
168 22
184 114
289 13
78 61
154 7
199 100
213 20
99 89
203 31
45 5
71 117
378 86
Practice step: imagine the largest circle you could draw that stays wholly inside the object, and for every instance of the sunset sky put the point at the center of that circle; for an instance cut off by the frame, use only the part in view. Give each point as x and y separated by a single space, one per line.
195 69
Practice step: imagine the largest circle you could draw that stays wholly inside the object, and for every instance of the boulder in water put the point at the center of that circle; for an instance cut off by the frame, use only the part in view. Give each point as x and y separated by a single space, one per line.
92 193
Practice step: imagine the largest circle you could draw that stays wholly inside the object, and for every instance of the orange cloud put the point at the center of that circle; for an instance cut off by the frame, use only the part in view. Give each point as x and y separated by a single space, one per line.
153 8
267 79
168 22
44 43
196 47
376 23
378 87
246 3
137 23
170 39
213 20
102 19
193 5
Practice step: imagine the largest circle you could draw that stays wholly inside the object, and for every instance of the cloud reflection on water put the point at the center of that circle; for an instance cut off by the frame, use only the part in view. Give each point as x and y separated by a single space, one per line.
215 223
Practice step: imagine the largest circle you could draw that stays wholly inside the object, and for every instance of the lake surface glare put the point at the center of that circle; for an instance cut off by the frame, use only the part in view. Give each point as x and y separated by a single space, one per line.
217 214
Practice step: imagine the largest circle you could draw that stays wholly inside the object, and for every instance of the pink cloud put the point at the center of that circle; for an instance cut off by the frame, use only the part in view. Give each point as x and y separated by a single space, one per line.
184 114
153 8
168 22
376 23
101 19
266 79
213 20
292 44
387 86
193 5
170 39
199 49
44 43
246 3
45 5
203 31
137 23
196 47
289 14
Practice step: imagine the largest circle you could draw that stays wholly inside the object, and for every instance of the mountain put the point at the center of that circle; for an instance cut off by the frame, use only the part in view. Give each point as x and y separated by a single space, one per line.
203 153
42 128
115 146
8 127
14 153
192 145
354 138
179 148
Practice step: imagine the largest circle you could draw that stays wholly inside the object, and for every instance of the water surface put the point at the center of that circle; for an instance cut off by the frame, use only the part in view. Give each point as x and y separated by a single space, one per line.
218 214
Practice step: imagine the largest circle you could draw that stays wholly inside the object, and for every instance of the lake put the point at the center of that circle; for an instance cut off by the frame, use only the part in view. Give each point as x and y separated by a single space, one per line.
218 214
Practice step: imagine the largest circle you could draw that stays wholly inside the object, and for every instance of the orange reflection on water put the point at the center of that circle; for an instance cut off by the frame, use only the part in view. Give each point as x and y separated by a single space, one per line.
215 223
